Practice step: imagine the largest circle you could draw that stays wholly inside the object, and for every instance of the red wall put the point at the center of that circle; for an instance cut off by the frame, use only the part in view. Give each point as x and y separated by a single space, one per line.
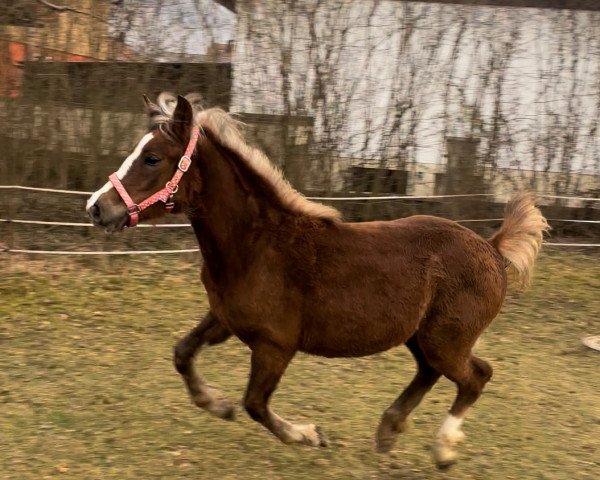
12 56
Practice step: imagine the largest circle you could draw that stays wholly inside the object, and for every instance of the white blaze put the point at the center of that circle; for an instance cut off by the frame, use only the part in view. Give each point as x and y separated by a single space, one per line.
122 171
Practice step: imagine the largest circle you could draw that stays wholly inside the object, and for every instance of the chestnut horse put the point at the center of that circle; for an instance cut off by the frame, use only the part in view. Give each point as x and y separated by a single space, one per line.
285 274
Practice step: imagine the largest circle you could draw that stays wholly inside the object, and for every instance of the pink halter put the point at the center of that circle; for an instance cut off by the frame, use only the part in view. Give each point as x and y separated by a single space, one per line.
166 194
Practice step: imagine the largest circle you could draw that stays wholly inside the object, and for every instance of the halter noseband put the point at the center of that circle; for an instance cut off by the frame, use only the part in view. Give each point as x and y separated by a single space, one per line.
166 194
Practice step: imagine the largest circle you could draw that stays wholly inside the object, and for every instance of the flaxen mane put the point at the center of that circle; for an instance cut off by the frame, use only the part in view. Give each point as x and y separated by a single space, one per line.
226 129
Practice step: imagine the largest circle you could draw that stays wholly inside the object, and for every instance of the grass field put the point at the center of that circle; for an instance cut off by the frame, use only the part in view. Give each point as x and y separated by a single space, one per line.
88 391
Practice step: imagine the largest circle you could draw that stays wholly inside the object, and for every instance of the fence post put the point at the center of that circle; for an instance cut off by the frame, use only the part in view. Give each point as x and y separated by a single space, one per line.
9 206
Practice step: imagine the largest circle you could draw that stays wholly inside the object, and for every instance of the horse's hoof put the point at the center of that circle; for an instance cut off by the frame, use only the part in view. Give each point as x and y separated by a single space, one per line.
224 410
308 434
384 445
386 436
445 465
228 414
443 455
213 401
323 440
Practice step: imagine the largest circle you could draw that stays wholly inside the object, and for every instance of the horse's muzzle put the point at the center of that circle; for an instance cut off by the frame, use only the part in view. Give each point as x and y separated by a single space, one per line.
111 218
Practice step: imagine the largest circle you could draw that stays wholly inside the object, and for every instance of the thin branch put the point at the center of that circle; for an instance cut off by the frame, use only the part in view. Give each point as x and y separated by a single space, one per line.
64 8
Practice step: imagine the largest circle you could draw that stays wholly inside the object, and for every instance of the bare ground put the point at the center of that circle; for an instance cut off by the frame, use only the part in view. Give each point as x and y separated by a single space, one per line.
87 388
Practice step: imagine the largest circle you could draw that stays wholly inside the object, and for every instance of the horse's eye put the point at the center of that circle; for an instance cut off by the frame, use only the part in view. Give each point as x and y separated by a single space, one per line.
151 160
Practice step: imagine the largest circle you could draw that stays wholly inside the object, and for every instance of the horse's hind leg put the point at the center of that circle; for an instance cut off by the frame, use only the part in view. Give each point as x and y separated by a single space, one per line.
208 332
470 375
446 339
394 419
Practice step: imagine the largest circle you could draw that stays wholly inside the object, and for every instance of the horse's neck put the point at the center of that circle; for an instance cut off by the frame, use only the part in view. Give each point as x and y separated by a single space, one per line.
228 215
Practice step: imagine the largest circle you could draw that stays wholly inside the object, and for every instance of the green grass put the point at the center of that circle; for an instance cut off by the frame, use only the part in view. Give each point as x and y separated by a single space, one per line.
88 391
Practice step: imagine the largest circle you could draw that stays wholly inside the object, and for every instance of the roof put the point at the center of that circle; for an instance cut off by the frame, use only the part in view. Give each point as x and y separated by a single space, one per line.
553 4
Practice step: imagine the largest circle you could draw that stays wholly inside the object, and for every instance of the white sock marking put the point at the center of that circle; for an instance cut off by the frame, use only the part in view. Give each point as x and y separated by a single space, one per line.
122 171
450 429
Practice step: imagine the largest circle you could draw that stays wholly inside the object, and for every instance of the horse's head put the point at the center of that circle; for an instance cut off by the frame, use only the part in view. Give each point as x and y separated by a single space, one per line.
151 179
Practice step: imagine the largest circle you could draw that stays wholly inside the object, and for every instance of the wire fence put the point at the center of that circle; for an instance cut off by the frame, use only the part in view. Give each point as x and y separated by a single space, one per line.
115 252
418 108
329 199
187 225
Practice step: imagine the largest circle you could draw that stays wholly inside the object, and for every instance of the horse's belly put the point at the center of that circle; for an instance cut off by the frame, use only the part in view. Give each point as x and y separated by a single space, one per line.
357 337
365 314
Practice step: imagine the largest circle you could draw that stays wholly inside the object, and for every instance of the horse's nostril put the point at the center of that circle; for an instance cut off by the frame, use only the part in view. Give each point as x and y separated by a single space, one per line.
94 212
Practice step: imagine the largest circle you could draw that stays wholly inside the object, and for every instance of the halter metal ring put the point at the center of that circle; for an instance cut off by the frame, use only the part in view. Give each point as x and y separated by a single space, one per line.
171 189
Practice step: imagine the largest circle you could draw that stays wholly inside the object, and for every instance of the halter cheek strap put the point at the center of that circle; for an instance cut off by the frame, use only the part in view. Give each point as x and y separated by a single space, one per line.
133 210
164 195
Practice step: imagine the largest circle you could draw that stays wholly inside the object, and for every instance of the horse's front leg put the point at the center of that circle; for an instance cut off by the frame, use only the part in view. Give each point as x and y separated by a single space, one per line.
268 364
208 332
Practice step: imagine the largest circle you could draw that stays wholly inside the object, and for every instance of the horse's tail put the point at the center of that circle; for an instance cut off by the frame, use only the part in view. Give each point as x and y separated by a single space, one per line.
520 237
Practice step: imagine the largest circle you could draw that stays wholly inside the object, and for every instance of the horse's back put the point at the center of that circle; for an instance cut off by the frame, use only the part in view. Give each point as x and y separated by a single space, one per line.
419 240
463 262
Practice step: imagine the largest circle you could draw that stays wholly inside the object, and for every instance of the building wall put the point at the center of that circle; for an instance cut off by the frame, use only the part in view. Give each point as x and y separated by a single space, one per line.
389 81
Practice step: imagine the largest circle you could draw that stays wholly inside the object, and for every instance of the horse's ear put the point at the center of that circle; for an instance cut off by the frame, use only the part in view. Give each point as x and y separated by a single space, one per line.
182 120
151 108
